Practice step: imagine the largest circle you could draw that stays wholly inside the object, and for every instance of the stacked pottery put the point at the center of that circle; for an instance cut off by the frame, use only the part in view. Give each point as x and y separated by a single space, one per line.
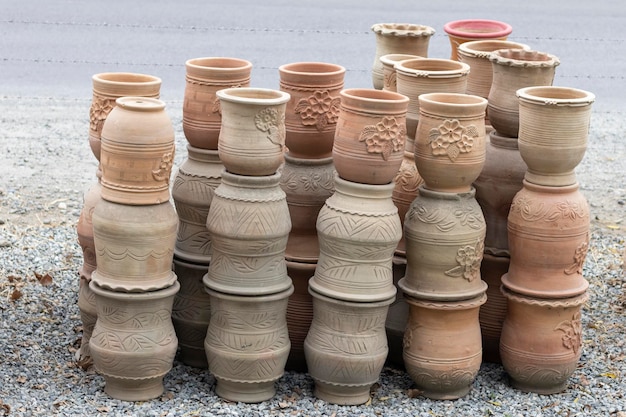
247 340
548 233
398 38
461 31
195 182
358 230
445 232
134 226
389 62
106 88
307 180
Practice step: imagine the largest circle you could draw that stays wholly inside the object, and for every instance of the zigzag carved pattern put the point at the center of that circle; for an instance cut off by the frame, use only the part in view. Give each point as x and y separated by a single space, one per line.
334 223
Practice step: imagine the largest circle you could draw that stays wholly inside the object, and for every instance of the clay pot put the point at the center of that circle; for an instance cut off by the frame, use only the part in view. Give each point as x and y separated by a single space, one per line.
442 346
358 230
84 230
307 183
450 145
541 341
134 246
476 55
249 224
493 312
548 231
247 344
444 235
108 87
346 348
194 184
514 69
299 313
461 31
134 343
88 317
252 135
398 38
397 317
496 186
137 152
370 135
429 75
389 72
313 109
201 107
191 312
554 125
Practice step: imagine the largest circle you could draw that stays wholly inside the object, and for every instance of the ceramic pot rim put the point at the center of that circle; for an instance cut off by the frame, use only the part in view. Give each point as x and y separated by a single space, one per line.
484 48
573 301
478 28
519 57
402 29
392 59
125 79
454 68
357 189
371 95
140 104
312 69
135 296
352 303
555 96
447 305
254 96
550 189
251 298
217 65
467 103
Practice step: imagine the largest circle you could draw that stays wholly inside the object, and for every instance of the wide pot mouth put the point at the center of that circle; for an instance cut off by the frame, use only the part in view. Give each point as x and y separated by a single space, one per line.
523 58
372 99
135 296
452 99
478 28
125 78
402 29
483 48
392 59
216 63
252 95
312 69
432 67
555 96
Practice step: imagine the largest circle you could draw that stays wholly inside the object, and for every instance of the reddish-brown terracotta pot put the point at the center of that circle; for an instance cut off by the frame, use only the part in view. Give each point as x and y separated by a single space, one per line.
313 110
370 135
137 152
541 341
554 125
548 231
460 31
398 38
389 71
442 346
201 107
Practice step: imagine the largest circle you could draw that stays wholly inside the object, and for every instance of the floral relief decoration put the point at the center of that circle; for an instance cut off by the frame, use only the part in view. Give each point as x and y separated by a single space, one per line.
217 107
98 112
271 121
572 332
319 110
579 258
165 167
451 139
468 259
384 137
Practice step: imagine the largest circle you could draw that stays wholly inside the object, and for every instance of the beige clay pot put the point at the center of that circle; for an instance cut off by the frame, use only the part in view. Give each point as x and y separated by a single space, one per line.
389 71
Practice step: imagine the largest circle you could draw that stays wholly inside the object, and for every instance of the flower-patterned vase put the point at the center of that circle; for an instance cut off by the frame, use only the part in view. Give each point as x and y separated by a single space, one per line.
247 344
252 135
201 108
346 348
548 230
313 110
370 135
358 230
389 71
461 31
134 343
450 144
398 38
445 235
541 341
442 346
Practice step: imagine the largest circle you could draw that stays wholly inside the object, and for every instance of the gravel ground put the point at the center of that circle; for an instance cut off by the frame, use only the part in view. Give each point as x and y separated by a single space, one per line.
46 165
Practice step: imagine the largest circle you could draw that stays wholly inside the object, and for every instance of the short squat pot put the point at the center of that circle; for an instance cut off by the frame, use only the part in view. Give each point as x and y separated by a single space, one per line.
247 344
134 343
461 31
389 71
541 341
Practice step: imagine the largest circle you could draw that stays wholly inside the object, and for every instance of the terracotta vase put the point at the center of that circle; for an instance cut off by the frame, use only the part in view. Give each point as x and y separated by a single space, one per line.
249 225
442 346
548 230
192 191
201 107
514 69
84 230
134 246
134 343
461 31
450 144
191 312
445 235
307 183
299 313
107 87
541 341
476 55
428 75
247 344
554 125
88 317
398 38
493 312
312 112
252 135
346 348
358 230
389 71
370 135
137 152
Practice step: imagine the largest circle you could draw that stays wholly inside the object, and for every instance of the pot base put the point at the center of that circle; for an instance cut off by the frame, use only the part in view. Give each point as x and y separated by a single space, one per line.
126 389
245 392
342 394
